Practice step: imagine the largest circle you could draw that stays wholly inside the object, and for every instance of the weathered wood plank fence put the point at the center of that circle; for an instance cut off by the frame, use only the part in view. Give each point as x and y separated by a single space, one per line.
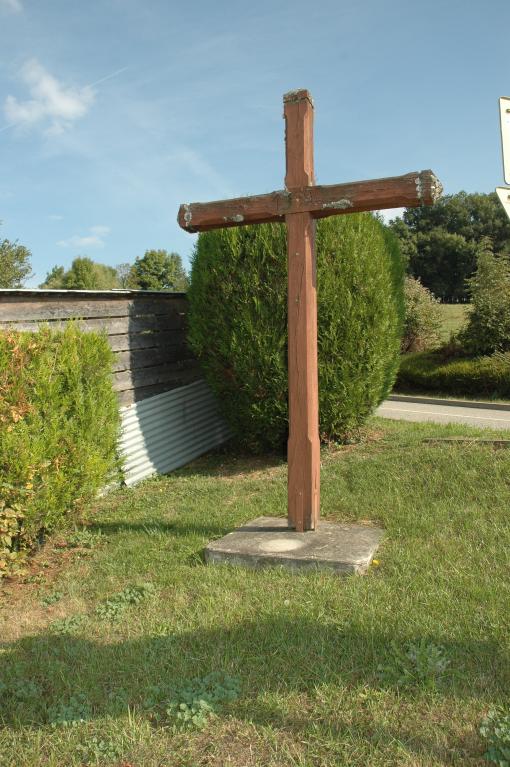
169 415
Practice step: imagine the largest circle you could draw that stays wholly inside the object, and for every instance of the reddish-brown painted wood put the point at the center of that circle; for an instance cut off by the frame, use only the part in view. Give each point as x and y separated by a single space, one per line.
408 191
303 450
299 205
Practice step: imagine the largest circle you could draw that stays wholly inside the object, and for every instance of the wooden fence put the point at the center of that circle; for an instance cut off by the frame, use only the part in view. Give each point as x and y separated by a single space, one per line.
146 330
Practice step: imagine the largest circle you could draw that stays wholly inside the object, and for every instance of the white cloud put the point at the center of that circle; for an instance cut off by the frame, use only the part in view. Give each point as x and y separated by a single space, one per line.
51 103
92 240
101 231
14 6
55 217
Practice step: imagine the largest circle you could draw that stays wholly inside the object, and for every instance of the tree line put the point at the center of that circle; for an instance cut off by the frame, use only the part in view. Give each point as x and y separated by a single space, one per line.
155 270
442 243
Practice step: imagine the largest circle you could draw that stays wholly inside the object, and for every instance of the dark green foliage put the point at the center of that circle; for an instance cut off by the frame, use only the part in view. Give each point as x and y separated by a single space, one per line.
238 324
157 270
479 376
84 274
59 423
440 241
488 327
423 319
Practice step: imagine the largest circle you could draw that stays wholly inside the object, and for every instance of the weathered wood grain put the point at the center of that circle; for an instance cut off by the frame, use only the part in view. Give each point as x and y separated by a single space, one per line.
146 340
410 191
111 325
135 359
13 309
132 379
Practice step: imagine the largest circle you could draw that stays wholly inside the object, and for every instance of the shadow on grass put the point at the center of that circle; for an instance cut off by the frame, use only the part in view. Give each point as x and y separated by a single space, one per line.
229 462
282 655
177 528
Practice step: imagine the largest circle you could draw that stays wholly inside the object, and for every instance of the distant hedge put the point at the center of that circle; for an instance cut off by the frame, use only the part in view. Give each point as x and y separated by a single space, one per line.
59 423
479 376
238 324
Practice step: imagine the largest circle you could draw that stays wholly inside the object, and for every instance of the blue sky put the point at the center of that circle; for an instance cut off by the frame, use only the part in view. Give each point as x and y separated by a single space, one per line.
113 112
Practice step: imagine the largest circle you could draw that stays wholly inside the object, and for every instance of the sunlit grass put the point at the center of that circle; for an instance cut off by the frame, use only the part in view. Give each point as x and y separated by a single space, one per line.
318 657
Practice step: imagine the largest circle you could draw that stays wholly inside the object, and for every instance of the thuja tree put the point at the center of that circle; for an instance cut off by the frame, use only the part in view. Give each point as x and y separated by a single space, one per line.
238 324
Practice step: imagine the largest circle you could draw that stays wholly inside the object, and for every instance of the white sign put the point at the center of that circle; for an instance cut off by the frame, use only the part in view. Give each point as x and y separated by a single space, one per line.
504 118
504 195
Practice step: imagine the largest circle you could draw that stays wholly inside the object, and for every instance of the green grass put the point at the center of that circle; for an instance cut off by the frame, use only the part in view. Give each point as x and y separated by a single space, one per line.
454 316
395 668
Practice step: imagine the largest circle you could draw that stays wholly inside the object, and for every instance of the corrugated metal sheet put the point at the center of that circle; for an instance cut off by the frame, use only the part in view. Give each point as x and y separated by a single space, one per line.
168 430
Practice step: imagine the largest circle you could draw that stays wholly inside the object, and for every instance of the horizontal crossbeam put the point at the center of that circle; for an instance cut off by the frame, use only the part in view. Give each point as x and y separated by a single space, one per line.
409 191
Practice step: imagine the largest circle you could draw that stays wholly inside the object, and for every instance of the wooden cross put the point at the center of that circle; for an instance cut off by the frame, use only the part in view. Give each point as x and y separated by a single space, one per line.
299 205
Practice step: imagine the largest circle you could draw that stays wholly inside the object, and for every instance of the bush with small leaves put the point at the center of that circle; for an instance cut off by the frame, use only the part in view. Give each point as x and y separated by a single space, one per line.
423 320
59 424
488 327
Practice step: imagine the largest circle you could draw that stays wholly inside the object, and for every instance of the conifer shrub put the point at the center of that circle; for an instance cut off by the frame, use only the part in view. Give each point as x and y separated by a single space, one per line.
238 324
59 423
422 325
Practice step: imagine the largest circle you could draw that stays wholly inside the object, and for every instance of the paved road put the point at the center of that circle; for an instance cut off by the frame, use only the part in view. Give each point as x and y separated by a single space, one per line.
476 414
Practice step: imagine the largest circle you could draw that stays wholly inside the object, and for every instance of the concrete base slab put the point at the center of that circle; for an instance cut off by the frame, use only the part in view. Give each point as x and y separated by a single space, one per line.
267 541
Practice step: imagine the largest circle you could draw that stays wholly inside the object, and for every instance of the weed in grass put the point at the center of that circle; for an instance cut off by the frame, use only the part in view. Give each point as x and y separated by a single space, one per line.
190 705
69 625
51 598
19 690
417 663
99 750
84 539
113 607
495 728
71 712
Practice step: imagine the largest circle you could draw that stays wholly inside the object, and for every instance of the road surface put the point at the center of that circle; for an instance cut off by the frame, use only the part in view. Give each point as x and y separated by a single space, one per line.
481 415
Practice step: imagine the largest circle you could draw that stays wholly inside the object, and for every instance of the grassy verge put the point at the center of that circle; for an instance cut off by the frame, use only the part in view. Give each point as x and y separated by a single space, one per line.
454 317
395 668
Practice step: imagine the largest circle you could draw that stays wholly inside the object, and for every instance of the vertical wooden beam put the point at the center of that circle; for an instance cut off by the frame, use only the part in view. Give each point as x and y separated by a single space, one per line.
303 444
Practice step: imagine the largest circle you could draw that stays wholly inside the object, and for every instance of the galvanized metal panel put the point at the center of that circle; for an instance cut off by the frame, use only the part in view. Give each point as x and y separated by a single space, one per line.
167 431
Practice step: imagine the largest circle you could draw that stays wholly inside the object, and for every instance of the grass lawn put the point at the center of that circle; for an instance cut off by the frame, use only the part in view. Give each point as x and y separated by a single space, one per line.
395 668
454 316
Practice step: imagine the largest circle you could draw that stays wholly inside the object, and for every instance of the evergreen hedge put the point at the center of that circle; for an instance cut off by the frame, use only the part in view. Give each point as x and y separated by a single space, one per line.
238 324
487 376
59 423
